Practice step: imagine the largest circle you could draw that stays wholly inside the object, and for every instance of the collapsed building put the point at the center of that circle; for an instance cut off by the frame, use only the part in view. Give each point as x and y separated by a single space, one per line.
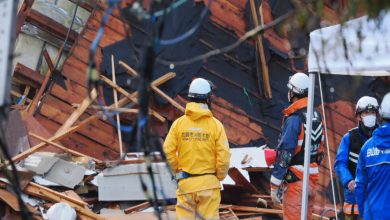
61 130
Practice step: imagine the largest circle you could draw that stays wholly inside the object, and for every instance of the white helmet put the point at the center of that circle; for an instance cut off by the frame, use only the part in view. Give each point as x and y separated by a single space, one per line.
384 110
366 103
299 83
200 89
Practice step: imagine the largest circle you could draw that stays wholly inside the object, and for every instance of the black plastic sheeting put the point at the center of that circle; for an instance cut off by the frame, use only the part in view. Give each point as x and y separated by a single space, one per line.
222 71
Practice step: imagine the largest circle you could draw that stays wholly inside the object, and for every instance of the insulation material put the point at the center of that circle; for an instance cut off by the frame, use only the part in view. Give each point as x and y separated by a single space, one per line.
28 50
66 174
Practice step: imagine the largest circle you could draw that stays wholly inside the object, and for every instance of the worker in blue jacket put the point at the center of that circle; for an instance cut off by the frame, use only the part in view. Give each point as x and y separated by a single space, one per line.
349 149
373 170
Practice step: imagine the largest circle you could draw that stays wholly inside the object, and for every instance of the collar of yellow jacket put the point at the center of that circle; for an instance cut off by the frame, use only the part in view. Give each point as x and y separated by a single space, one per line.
197 110
297 105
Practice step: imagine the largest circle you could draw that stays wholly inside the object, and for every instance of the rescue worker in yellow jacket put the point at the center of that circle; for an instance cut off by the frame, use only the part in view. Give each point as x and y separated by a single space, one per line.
287 176
198 153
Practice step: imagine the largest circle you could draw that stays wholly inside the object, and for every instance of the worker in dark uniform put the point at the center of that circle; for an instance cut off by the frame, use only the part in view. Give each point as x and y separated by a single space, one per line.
349 149
287 176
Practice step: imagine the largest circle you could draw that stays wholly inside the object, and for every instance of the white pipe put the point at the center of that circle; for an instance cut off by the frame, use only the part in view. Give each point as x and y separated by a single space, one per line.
309 116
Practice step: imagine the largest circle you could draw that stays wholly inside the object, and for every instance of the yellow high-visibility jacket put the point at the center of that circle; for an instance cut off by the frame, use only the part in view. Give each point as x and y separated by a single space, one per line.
197 144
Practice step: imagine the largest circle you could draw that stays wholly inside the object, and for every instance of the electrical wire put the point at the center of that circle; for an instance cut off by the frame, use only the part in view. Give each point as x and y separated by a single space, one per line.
67 34
59 57
169 9
178 39
327 146
228 48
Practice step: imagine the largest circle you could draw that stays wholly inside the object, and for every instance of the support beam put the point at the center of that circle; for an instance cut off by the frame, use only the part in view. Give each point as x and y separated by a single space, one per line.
129 96
118 122
33 106
134 73
50 25
28 76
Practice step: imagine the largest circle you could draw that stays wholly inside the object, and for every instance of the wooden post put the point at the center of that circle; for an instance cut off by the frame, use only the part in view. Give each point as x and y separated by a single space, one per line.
78 112
118 122
260 49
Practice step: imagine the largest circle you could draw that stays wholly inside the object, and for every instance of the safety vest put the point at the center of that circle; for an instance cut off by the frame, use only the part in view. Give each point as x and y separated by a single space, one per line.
316 138
355 144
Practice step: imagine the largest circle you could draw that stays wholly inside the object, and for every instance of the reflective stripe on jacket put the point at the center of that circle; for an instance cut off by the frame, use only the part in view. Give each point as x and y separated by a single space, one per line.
343 158
290 151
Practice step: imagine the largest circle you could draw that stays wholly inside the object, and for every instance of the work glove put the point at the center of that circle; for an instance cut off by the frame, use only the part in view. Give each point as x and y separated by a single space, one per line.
275 195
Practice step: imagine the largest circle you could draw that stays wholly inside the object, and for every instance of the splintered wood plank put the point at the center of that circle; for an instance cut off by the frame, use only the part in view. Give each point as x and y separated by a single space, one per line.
59 146
240 180
118 122
59 111
28 76
257 210
78 112
129 96
134 73
137 208
81 143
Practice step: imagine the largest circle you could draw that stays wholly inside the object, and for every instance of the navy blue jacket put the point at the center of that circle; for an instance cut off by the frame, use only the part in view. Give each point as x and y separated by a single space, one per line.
373 176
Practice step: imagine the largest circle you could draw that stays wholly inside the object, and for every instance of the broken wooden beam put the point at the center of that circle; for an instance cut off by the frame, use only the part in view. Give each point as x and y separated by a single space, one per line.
50 25
118 122
129 96
137 208
87 121
54 138
134 73
28 76
240 180
79 111
70 151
